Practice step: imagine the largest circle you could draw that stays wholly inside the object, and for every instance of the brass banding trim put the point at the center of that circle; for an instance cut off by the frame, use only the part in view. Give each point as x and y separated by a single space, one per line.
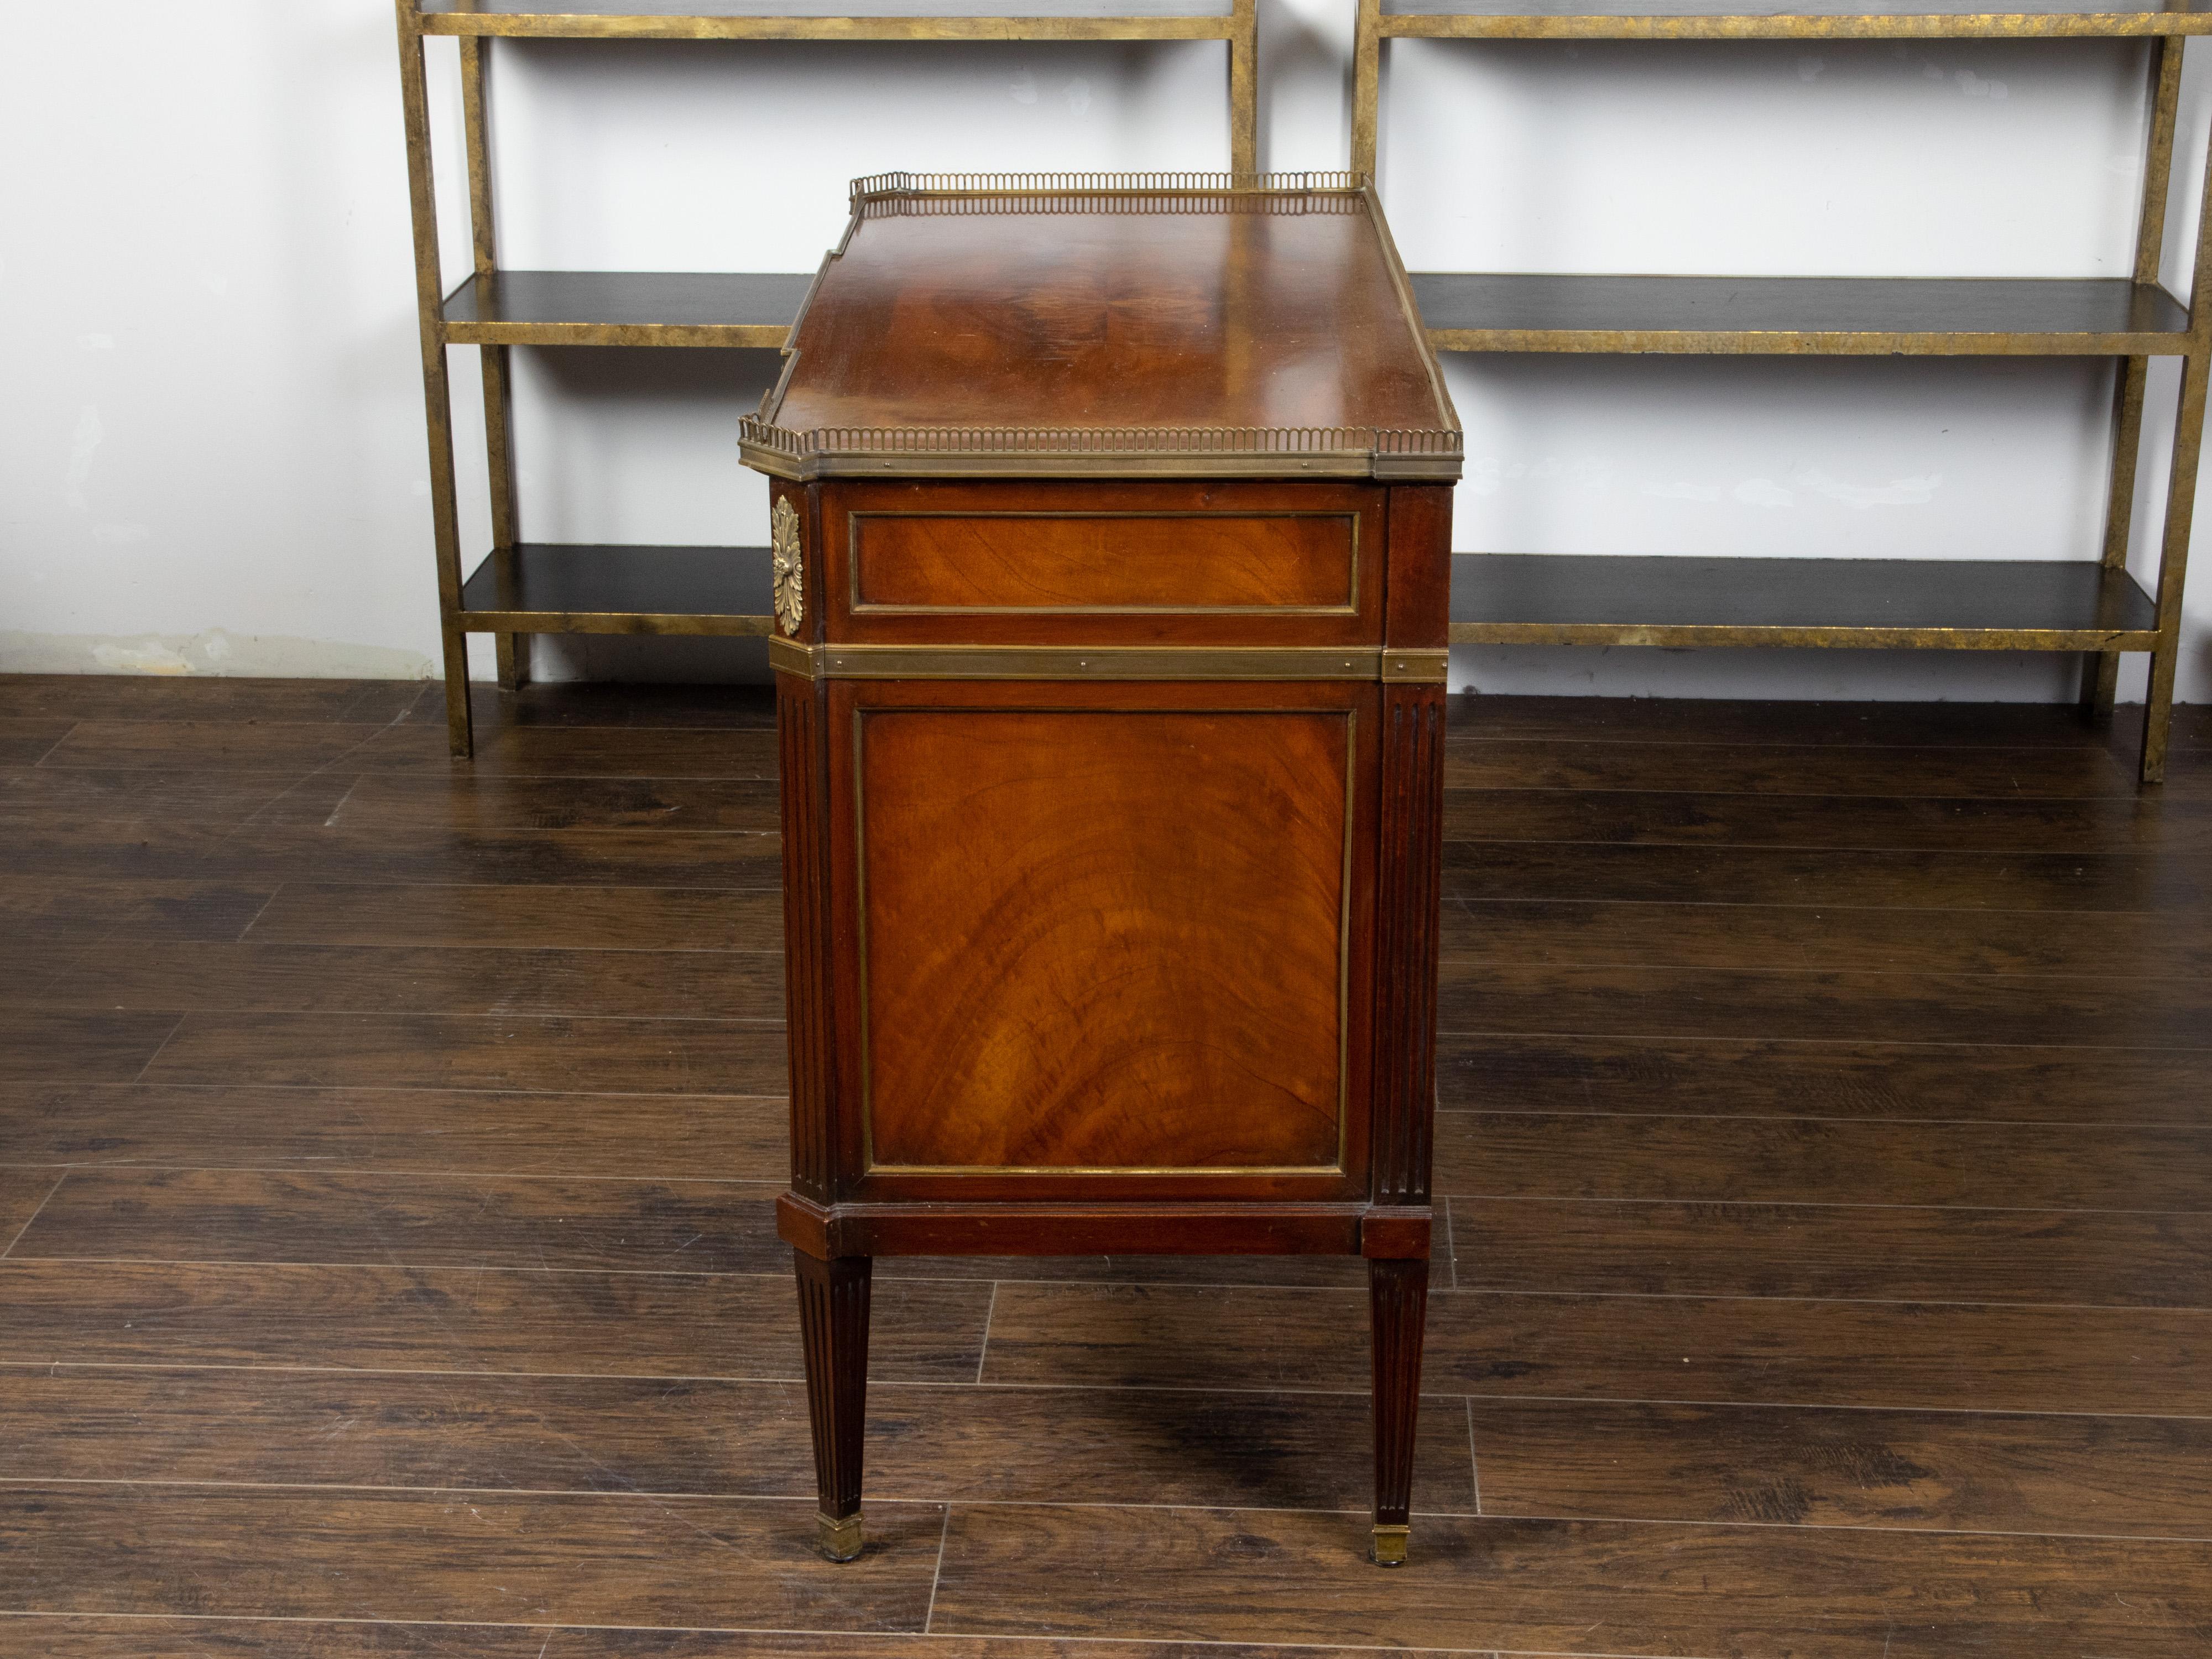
1415 667
807 466
1076 662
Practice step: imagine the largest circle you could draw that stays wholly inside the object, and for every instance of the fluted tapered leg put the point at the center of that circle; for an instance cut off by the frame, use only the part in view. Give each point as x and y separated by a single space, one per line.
1398 1303
833 1323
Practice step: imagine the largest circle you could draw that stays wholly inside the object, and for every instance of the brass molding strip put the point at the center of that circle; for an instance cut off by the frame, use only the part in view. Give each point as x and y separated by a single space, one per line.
1065 453
1075 662
878 186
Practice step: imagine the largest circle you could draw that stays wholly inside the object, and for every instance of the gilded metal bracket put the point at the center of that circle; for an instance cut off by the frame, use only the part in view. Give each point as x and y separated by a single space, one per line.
1419 667
790 568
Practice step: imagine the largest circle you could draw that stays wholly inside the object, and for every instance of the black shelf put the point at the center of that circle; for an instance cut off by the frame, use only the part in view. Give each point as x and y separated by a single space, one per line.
1799 315
2013 604
561 587
626 308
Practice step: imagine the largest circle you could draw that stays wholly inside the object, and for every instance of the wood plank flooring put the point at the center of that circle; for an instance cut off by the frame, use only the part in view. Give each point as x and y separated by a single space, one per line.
387 1266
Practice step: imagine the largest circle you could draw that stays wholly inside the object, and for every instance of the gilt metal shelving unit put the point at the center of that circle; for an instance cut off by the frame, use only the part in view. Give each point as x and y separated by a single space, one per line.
520 587
2089 605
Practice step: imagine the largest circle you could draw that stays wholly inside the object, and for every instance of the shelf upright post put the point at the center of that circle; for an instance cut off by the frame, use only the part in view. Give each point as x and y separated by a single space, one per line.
499 426
2181 492
1244 87
1366 86
429 296
2102 670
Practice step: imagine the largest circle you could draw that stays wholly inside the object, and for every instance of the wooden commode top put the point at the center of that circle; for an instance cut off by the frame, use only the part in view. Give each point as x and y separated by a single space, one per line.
1110 325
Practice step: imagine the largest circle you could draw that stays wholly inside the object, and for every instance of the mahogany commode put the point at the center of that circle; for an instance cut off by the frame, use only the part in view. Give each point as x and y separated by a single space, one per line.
1111 520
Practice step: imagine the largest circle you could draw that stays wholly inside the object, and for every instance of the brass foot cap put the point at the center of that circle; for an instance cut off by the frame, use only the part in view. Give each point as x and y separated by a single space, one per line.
1387 1545
839 1540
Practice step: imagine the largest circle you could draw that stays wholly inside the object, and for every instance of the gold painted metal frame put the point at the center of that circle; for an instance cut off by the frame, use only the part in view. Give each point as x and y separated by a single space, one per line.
2131 352
475 31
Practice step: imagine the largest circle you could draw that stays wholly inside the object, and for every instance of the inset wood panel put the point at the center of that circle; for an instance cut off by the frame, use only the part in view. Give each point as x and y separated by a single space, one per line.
1060 563
1965 1471
525 1559
1167 562
1106 939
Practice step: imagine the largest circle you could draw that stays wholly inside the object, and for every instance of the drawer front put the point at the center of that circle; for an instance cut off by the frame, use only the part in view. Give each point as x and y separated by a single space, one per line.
1093 564
1109 936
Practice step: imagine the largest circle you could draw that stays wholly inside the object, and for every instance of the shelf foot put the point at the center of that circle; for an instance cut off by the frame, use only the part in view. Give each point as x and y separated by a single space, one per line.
1386 1545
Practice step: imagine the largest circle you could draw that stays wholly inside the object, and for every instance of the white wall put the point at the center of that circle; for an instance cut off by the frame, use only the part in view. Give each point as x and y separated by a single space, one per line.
211 456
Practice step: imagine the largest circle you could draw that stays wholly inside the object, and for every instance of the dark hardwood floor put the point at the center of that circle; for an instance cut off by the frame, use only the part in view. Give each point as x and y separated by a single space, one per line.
388 1268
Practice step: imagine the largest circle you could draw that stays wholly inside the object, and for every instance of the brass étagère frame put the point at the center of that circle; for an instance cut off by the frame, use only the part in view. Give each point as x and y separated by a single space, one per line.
2129 320
521 588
